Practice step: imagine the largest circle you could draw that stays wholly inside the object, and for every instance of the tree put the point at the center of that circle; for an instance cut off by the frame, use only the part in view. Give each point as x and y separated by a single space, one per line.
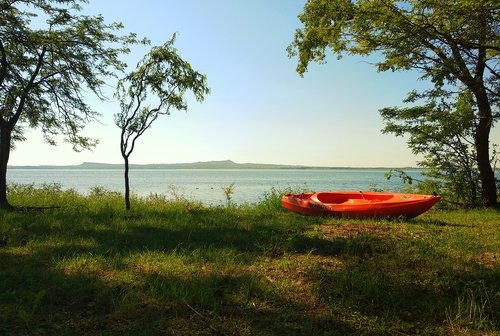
50 58
163 76
452 43
444 134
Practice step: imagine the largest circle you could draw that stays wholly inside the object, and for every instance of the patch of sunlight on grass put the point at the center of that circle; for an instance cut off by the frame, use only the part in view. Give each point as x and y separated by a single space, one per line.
160 263
86 263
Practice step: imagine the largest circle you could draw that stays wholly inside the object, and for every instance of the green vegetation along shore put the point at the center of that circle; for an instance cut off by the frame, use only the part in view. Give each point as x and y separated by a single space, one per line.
85 266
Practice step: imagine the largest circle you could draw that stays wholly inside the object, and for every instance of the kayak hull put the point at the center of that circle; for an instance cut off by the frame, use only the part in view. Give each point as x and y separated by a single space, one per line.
359 204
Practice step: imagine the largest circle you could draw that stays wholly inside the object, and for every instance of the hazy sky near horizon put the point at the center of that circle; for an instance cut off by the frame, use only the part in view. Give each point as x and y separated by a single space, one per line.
259 110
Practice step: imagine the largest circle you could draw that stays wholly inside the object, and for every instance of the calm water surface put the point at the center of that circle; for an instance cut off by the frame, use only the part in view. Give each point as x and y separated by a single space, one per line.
206 184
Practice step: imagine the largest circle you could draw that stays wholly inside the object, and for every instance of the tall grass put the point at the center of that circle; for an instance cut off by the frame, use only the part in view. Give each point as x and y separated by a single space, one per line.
84 265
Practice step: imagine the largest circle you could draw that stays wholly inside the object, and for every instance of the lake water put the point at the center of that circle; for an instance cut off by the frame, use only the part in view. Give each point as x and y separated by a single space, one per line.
207 185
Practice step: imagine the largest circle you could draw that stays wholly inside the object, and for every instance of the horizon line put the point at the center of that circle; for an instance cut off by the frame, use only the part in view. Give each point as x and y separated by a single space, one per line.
277 165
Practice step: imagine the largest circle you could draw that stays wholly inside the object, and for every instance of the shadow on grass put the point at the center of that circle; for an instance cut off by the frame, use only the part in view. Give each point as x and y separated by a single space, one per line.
406 284
39 298
363 246
191 272
71 273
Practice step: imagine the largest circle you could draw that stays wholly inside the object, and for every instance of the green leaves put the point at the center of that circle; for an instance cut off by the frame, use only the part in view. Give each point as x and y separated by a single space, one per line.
157 85
45 70
443 133
443 39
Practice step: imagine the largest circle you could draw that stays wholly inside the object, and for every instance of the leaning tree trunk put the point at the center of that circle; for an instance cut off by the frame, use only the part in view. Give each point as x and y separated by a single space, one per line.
5 138
488 183
127 185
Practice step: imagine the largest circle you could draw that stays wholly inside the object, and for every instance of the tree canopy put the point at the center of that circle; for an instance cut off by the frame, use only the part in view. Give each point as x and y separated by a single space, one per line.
452 43
51 58
444 134
447 40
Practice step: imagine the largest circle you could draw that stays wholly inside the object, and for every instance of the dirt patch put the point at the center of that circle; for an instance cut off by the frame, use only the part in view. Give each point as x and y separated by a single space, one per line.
353 230
488 259
331 263
298 267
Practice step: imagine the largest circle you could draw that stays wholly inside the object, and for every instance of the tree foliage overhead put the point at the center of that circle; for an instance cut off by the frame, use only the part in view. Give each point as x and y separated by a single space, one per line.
455 44
50 58
446 39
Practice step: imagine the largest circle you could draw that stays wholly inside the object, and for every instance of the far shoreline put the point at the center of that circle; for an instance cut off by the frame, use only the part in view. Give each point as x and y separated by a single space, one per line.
225 164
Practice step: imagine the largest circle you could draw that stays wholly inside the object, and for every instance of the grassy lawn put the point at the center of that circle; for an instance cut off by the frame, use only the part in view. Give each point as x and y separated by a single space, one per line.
175 267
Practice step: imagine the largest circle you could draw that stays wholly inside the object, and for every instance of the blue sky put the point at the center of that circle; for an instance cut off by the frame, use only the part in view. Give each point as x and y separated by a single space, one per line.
260 110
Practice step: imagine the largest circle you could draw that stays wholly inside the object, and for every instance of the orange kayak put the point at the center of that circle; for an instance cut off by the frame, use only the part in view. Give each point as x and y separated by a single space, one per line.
359 204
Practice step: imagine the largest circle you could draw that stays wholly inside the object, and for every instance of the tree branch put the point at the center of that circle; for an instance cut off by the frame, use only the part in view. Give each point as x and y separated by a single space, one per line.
27 89
3 63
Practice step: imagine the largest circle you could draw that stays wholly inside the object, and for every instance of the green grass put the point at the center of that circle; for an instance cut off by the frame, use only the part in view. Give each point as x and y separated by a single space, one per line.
176 267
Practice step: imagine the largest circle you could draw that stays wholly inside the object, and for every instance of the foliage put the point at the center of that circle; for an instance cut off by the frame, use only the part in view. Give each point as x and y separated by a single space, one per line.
452 43
154 88
162 75
46 67
228 193
431 36
89 266
444 134
51 57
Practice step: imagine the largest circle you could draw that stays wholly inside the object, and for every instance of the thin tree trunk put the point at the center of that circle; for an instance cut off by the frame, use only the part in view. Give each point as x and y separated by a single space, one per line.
127 185
5 137
488 183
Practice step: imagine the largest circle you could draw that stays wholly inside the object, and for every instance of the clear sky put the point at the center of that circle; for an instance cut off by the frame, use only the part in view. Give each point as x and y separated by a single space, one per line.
260 110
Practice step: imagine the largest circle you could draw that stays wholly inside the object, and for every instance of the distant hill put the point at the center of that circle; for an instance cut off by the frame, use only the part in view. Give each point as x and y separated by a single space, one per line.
225 164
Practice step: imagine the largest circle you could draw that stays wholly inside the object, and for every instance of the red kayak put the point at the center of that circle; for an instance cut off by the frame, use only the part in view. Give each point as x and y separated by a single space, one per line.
359 204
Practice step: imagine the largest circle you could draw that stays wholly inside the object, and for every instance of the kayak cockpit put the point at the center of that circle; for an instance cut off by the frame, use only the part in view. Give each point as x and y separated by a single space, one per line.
351 198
